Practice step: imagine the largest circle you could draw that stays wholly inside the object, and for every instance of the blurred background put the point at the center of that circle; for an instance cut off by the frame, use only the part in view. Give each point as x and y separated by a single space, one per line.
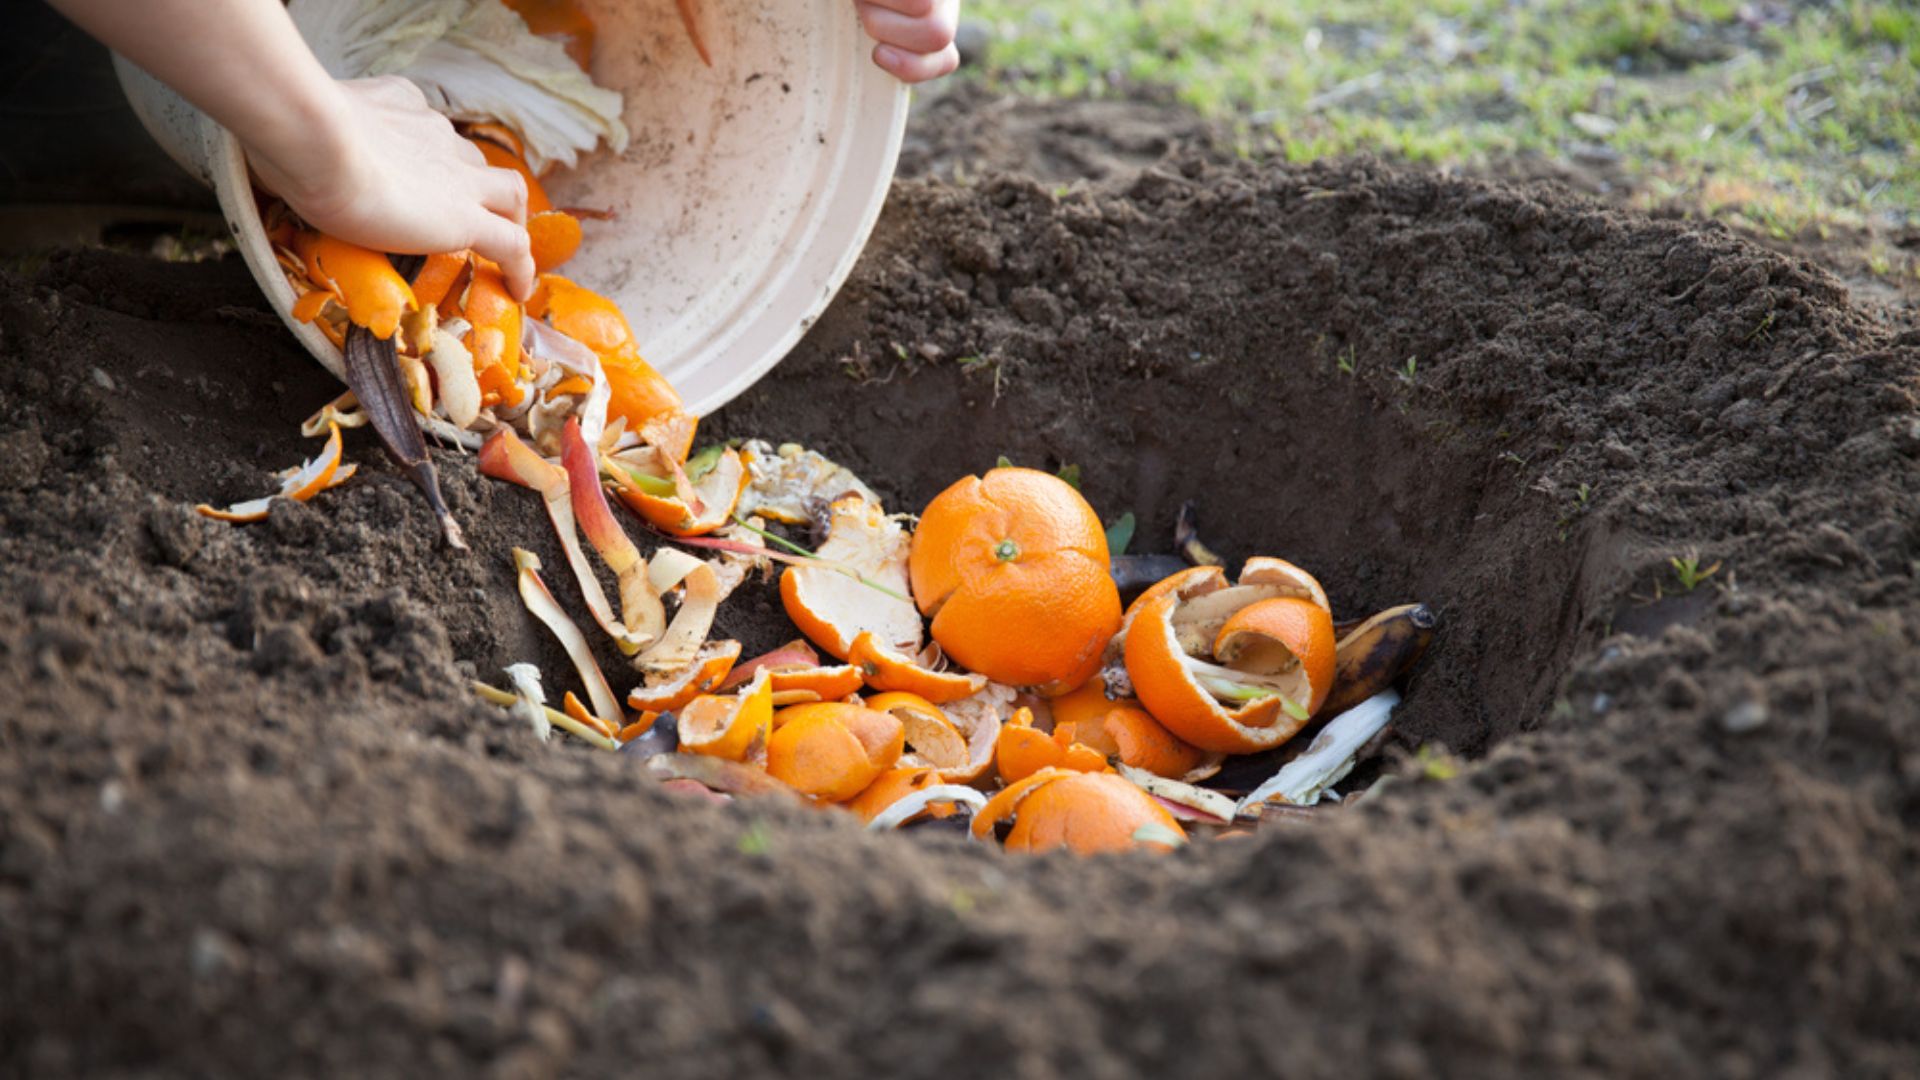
1796 121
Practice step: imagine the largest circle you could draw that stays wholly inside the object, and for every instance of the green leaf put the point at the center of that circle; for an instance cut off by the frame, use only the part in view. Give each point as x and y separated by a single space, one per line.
1120 534
1004 462
1071 474
1294 709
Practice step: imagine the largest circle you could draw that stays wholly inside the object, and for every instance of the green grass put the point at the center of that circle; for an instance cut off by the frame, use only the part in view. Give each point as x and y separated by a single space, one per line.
1808 120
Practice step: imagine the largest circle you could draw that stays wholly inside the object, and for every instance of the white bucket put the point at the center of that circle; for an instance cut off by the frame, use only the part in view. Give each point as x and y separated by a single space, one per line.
747 192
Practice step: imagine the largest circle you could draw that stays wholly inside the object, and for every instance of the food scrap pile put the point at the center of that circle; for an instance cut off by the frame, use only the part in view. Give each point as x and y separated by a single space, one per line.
974 664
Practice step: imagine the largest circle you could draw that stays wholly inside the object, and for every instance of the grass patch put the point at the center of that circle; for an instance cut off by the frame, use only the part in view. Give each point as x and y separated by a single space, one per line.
1785 117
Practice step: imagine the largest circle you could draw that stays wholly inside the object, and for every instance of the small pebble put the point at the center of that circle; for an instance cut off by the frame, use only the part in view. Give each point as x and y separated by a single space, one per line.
1744 717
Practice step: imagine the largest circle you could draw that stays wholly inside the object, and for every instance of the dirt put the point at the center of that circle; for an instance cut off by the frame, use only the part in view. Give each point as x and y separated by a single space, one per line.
251 823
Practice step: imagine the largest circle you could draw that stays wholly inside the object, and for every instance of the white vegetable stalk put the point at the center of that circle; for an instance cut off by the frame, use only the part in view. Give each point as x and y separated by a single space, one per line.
915 804
475 60
530 699
1302 781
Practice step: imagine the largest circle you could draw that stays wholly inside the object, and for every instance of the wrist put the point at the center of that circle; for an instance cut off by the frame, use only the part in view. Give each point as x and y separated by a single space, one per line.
307 152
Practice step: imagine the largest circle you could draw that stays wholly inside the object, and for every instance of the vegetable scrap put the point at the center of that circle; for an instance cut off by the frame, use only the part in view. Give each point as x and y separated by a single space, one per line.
972 664
1200 678
299 484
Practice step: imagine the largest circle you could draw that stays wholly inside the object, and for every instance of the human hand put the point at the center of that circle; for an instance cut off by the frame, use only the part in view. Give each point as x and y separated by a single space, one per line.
386 172
915 36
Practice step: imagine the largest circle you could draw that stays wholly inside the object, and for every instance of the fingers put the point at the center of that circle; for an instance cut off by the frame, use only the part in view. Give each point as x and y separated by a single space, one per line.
468 152
925 33
917 9
394 89
504 192
506 243
916 67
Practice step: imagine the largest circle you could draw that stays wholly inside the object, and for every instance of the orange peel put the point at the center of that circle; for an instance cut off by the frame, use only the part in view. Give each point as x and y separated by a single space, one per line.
299 484
715 493
831 751
833 608
362 280
572 706
439 275
1087 813
344 410
979 718
1120 730
708 671
734 727
494 337
893 785
1021 750
799 677
638 393
887 668
554 236
924 796
1279 668
1140 741
933 740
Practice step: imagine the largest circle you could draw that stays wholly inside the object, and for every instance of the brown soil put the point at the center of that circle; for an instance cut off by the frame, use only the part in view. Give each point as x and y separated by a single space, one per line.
250 823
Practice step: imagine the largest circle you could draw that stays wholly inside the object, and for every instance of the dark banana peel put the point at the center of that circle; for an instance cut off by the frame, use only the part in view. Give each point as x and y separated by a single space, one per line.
1377 652
1135 572
1132 573
1186 537
373 374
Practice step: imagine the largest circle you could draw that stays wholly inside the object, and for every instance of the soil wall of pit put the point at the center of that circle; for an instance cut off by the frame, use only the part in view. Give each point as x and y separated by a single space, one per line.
251 823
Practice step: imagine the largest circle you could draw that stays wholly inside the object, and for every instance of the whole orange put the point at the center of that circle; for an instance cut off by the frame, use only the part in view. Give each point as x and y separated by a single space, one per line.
1012 568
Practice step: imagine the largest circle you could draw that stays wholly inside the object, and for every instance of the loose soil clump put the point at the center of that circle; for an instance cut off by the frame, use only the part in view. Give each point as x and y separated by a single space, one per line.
252 822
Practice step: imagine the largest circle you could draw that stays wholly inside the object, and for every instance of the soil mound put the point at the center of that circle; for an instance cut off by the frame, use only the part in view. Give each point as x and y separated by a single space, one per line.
251 823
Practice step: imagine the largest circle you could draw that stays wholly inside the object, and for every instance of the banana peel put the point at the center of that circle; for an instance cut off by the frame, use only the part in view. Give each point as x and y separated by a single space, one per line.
1375 654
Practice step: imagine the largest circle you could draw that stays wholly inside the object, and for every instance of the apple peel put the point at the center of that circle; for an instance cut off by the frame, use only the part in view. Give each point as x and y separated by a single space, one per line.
1188 801
699 601
539 601
640 608
505 457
